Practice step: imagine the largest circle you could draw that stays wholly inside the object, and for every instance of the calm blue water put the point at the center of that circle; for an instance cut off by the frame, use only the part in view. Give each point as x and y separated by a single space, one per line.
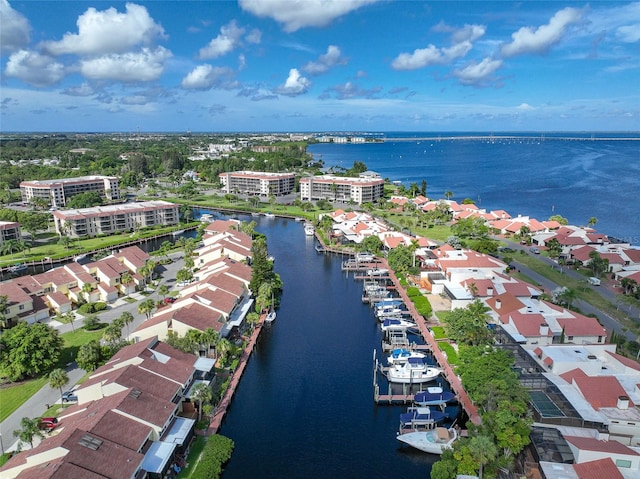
304 407
529 176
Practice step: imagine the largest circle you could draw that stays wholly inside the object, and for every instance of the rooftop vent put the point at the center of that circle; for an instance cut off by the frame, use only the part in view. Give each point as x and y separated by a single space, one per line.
135 393
90 442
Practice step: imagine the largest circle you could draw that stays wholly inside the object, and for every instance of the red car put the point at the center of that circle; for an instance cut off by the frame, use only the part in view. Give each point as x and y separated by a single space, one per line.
48 423
169 300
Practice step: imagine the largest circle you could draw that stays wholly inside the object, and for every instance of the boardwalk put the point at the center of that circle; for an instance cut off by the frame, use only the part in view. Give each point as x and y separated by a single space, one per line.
448 372
225 402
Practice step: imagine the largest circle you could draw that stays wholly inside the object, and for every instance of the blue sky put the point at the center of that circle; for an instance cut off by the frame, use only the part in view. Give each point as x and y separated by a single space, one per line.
320 65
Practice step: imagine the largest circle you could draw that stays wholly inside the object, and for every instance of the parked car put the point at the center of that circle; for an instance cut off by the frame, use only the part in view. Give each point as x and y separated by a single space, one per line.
69 396
534 250
169 300
47 423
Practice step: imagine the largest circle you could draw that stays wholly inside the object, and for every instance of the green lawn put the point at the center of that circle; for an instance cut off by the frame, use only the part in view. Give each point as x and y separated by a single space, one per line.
443 315
438 332
452 355
192 459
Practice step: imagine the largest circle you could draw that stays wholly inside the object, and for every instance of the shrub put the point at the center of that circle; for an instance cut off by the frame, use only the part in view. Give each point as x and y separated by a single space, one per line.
91 323
99 306
90 308
217 451
413 291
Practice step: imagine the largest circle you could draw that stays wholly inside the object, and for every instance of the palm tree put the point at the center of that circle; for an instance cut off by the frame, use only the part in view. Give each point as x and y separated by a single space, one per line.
211 338
58 378
66 318
86 289
592 221
125 319
448 194
483 450
201 393
28 431
126 278
146 307
163 290
223 348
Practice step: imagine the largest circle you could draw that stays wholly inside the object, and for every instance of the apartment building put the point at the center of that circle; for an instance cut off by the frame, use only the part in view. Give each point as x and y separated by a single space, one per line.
258 183
57 192
9 230
115 218
364 189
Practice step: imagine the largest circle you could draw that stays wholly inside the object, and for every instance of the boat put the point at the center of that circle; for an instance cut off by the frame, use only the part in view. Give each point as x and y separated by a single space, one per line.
309 230
18 268
413 371
402 355
177 233
395 302
434 441
396 324
271 317
387 311
270 215
206 218
420 416
433 396
377 272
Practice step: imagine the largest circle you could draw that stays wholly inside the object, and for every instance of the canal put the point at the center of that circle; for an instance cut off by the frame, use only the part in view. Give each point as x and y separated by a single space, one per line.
304 408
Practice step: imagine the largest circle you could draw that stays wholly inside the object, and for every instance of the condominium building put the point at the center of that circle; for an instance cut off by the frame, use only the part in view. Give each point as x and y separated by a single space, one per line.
57 192
364 189
258 183
115 218
9 230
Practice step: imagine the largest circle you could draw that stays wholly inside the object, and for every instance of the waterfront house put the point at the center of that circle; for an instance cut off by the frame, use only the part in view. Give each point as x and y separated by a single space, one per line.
9 230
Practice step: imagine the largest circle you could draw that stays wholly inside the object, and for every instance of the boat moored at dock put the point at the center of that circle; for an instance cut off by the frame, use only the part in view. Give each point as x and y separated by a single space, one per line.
420 416
433 396
433 441
396 324
413 371
402 355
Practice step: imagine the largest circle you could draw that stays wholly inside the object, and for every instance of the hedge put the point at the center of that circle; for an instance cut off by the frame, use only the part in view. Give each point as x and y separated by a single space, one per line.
215 454
89 308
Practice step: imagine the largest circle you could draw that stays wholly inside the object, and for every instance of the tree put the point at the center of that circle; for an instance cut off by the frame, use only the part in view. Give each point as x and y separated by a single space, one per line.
58 378
598 264
27 350
87 199
86 289
184 275
554 248
372 244
125 319
201 393
483 450
592 222
147 306
560 219
29 430
89 355
3 307
163 290
112 334
126 278
448 194
66 318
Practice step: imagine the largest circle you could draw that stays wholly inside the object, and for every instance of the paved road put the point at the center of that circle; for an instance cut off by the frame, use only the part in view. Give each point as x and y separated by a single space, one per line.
607 321
37 404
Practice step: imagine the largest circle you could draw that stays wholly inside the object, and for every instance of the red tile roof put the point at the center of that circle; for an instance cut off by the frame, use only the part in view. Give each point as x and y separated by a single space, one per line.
598 469
581 326
600 391
593 444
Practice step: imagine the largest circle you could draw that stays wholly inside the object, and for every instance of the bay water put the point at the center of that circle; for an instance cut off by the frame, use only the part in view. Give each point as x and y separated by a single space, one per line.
534 175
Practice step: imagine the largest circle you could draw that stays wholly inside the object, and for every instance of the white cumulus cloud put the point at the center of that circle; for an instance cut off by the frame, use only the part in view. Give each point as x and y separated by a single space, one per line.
325 62
34 68
540 40
297 14
462 42
14 29
295 84
525 107
108 31
146 65
227 40
204 77
478 73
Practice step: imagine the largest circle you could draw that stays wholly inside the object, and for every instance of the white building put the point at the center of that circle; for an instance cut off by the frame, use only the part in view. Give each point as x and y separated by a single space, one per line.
57 192
115 218
258 183
364 189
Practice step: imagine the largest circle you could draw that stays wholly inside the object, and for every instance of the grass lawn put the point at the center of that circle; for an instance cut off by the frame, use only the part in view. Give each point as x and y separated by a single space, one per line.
438 332
129 299
14 396
73 341
452 355
192 459
443 315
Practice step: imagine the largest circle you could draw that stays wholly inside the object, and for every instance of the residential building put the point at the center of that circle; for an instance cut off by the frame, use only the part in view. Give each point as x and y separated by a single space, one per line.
364 189
115 218
258 183
57 192
9 230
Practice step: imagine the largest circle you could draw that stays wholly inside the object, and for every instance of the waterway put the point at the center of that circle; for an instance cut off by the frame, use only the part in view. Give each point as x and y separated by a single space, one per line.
304 407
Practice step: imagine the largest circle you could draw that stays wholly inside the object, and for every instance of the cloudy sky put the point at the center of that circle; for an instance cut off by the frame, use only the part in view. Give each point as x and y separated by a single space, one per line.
319 65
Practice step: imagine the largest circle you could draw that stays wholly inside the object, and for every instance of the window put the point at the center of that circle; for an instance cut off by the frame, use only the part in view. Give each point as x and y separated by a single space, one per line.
623 463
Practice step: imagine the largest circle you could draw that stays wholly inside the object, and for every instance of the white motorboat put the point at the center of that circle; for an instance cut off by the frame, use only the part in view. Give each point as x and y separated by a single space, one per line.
433 396
413 371
396 324
402 355
206 217
434 441
309 230
271 317
388 311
